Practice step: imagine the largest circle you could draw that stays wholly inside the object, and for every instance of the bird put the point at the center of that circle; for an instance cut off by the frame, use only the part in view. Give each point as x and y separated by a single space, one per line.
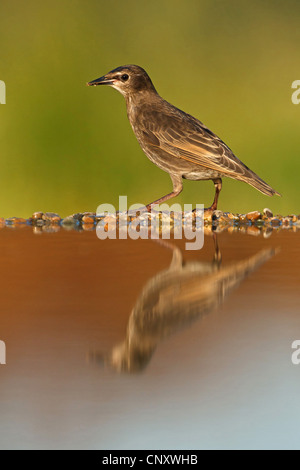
174 299
175 141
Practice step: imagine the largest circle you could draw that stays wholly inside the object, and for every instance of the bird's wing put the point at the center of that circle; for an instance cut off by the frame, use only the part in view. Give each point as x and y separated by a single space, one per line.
185 137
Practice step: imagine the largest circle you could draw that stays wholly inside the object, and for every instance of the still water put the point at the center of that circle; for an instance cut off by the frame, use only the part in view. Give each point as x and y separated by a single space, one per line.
123 344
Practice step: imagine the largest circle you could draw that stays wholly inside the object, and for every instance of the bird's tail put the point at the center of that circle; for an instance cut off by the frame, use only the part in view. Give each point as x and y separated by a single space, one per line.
254 180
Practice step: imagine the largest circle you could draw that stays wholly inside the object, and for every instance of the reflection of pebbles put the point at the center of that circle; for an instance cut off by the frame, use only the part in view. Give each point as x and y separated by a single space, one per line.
174 299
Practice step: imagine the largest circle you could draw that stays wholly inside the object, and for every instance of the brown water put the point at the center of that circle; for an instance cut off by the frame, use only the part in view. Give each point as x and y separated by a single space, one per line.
122 344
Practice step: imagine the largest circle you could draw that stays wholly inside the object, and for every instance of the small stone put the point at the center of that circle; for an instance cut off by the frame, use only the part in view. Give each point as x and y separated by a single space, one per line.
253 215
216 215
268 213
242 219
69 223
259 222
37 215
88 219
16 221
275 222
39 222
294 218
110 223
52 218
90 214
286 221
78 216
234 219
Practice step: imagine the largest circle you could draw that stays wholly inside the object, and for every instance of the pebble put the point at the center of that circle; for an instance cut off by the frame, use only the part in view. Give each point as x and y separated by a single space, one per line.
286 221
88 219
253 223
51 217
255 215
216 215
110 223
16 221
39 222
37 215
275 222
268 213
69 223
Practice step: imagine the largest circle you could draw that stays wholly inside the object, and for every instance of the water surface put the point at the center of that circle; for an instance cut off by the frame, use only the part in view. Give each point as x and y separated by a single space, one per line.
123 344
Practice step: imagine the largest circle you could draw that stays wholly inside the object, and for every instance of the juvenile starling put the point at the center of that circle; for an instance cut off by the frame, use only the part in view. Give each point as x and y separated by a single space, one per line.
176 141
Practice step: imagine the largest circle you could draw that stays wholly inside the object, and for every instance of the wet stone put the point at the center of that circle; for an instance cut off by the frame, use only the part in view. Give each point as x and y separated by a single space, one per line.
243 219
88 219
51 217
39 222
78 216
275 222
37 215
69 223
294 218
286 221
216 215
268 213
89 214
16 221
259 222
255 215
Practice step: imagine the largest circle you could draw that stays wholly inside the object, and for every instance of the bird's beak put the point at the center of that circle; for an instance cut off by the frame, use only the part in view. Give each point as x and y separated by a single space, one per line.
101 81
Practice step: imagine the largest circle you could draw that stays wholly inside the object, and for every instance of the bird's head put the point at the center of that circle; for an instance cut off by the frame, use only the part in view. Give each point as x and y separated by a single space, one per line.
128 80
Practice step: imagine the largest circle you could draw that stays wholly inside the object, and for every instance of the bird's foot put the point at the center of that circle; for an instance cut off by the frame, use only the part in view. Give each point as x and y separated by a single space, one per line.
207 210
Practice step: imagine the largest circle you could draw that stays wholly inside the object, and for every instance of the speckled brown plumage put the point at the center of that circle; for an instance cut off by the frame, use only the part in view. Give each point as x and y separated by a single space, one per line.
176 141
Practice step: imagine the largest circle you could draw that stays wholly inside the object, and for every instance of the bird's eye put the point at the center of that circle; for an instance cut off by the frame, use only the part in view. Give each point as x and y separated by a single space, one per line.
124 77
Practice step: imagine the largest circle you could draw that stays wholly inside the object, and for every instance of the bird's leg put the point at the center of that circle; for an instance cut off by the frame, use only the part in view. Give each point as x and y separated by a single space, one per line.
217 254
218 186
177 188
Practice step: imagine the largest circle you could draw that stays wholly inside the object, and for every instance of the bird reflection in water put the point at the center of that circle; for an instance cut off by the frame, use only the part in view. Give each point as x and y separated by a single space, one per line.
174 299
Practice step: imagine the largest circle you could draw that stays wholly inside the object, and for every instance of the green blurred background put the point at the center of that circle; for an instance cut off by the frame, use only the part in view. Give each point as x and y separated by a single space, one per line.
68 148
